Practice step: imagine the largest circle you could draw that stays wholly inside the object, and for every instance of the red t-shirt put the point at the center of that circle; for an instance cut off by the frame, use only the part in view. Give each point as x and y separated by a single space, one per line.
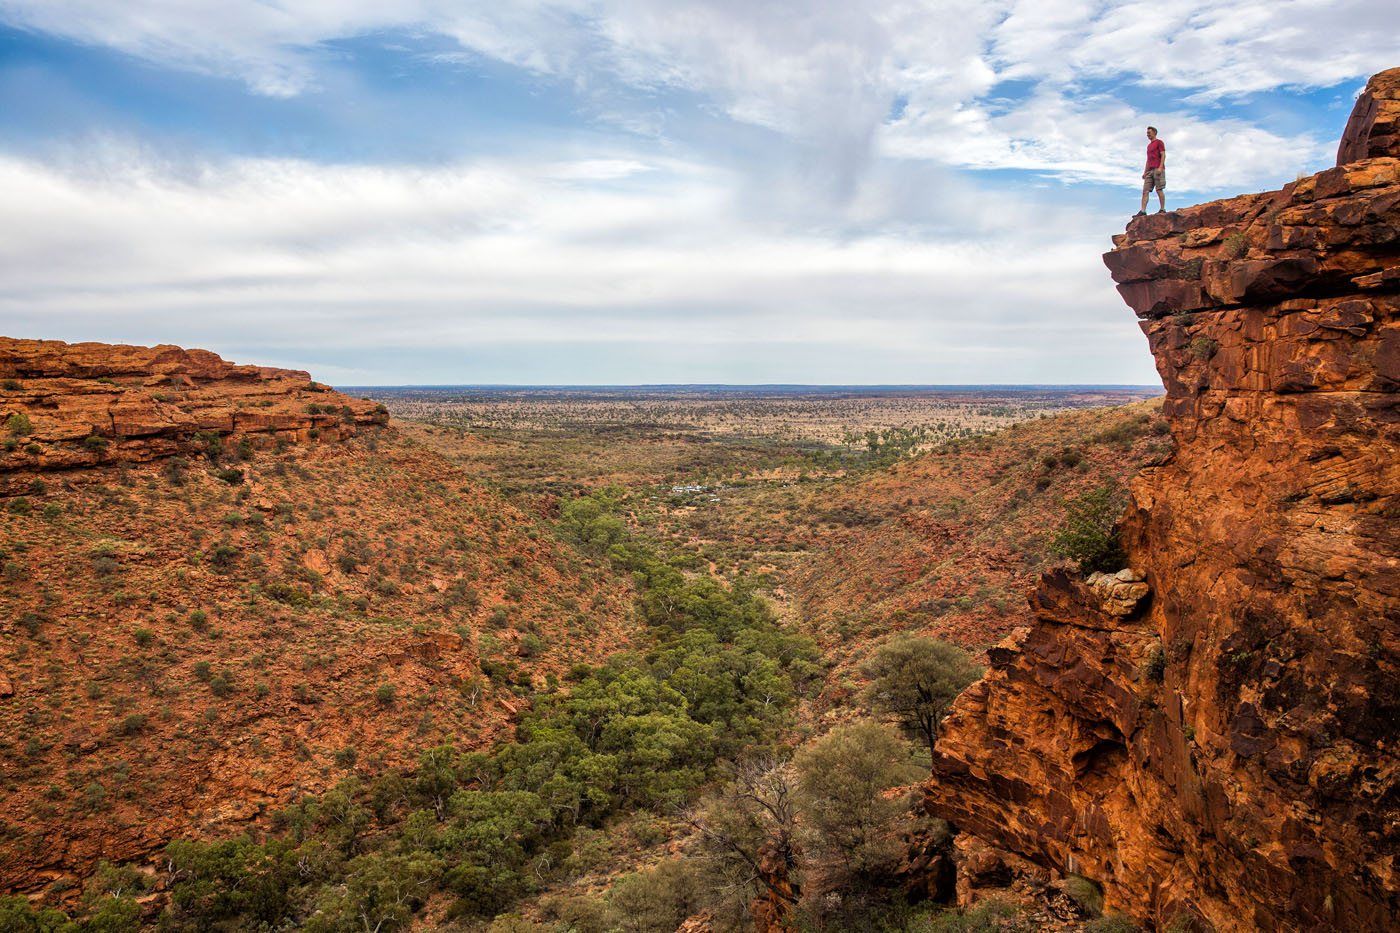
1155 150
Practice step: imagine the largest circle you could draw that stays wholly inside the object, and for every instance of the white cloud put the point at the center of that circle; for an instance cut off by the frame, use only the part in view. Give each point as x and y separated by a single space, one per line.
823 71
1217 48
1099 139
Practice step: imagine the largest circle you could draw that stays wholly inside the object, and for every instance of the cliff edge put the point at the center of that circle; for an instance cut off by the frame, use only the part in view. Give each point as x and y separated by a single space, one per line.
64 406
1223 746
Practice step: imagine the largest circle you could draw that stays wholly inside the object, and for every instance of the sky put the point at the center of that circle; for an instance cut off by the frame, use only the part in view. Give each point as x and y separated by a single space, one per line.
638 191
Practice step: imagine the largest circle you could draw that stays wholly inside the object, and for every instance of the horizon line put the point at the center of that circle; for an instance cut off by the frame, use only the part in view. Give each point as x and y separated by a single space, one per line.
750 385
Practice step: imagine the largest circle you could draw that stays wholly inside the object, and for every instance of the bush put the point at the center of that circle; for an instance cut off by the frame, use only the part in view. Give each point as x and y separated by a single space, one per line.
659 899
19 425
1154 666
384 694
223 555
1203 348
133 724
1085 893
1087 534
211 444
991 916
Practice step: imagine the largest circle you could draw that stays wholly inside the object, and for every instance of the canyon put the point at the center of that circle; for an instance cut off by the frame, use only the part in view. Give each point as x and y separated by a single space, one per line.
1215 743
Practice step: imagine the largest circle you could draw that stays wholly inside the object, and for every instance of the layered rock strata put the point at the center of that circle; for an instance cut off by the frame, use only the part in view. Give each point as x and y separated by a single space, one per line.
1226 748
87 404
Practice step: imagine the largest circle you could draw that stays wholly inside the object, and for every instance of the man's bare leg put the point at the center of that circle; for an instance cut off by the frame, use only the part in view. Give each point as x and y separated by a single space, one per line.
1161 200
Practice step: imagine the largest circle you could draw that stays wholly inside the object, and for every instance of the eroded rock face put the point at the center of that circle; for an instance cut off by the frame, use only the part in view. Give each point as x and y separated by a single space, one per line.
86 404
1229 749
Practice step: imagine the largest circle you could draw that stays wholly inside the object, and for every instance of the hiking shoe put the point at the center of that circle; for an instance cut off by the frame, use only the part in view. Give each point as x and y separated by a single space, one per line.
1140 214
1161 210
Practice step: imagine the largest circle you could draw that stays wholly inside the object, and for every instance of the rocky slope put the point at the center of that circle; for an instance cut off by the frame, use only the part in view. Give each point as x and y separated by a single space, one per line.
190 643
77 405
1226 750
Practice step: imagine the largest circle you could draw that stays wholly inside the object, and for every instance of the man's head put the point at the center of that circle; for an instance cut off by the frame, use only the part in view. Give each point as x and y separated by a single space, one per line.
1152 132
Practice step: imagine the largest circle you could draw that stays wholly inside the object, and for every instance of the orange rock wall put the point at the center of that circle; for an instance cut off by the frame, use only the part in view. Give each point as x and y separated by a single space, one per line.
1228 749
86 404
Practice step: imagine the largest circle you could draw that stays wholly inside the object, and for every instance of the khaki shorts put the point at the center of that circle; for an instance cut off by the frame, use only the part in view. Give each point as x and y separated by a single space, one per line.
1154 178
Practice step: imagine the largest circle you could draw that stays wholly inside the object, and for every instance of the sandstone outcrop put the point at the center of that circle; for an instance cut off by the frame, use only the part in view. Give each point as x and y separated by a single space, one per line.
1226 749
87 404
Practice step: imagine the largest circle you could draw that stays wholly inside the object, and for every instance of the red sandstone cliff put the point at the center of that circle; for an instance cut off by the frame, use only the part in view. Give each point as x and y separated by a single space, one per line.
84 404
1228 749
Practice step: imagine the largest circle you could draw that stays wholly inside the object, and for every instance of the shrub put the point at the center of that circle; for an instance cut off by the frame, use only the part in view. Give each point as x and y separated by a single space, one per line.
384 694
95 443
132 724
1087 535
30 621
659 899
223 555
174 471
1203 348
991 916
19 425
211 444
202 670
143 637
232 476
17 915
1085 893
1154 666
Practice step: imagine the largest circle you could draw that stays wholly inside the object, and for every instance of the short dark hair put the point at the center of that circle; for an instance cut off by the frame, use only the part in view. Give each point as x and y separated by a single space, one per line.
1152 128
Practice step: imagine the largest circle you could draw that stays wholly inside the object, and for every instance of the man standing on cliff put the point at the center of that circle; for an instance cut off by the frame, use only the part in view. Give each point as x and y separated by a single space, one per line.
1154 174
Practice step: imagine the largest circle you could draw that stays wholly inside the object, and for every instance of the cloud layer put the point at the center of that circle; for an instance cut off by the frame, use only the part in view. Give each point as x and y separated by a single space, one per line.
647 264
800 190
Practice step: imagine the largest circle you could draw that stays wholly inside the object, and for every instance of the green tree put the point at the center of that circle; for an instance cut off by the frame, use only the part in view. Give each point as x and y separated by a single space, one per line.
1088 535
17 915
915 679
748 840
850 819
381 894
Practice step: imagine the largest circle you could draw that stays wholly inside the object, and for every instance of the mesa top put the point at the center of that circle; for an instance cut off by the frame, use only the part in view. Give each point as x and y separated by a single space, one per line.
1155 150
